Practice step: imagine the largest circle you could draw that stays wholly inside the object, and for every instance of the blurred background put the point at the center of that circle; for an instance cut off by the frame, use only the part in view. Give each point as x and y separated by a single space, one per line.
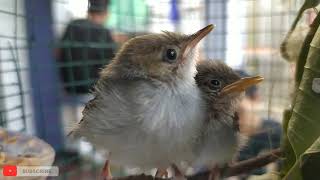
51 52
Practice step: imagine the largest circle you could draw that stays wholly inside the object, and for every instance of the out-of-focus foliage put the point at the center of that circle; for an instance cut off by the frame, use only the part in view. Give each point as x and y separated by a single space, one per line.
288 152
133 13
267 176
301 142
295 35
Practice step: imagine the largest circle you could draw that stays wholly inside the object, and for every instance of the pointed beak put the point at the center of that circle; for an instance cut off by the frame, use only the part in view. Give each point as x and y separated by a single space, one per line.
194 39
241 85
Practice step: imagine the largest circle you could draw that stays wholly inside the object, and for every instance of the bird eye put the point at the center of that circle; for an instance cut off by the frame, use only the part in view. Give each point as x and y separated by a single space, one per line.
171 55
215 84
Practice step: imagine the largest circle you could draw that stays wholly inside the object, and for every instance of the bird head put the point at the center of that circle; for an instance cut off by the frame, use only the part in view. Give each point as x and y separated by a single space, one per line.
162 56
222 85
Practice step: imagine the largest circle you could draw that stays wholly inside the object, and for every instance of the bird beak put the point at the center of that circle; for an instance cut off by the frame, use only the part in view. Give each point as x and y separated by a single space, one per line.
241 85
194 39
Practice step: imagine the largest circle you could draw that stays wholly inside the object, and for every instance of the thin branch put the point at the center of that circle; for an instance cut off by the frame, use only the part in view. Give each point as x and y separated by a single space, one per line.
233 170
253 163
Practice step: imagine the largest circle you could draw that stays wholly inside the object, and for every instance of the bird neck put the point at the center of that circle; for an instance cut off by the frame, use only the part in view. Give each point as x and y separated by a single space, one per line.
122 71
220 108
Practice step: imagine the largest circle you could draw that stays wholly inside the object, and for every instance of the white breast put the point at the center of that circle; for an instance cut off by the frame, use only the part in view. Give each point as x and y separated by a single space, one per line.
171 119
173 111
219 148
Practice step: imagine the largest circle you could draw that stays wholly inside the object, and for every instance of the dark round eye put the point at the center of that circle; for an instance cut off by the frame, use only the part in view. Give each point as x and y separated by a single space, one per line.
171 54
215 83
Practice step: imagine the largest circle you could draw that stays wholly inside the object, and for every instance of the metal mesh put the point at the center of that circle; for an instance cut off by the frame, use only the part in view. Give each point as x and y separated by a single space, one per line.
14 88
247 36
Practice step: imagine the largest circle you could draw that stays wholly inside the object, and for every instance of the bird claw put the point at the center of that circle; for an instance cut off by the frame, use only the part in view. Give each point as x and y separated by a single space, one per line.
179 178
215 173
161 173
106 172
177 174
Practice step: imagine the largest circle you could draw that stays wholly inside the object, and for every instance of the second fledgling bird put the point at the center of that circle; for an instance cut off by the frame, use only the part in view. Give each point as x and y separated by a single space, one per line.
222 89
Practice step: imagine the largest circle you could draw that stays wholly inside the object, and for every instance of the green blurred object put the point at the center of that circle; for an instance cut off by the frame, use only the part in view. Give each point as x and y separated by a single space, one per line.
306 5
267 176
303 129
128 16
288 152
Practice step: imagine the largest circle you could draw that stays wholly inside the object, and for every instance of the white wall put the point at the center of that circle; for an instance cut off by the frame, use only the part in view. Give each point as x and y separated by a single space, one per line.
13 48
66 10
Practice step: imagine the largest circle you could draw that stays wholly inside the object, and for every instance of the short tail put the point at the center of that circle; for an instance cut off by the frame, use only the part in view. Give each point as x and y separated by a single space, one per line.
70 134
73 129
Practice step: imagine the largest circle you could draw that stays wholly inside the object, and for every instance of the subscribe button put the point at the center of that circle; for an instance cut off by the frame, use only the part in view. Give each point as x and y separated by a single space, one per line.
10 170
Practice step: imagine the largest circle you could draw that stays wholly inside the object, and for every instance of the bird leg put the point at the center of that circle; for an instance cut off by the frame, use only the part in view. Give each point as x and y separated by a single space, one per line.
177 174
161 173
215 173
106 172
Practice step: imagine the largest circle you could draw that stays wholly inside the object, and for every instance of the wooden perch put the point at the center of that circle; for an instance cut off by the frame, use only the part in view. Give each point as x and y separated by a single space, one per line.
233 170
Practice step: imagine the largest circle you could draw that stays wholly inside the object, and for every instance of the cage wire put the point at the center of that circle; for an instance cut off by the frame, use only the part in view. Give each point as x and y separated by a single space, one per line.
247 36
15 109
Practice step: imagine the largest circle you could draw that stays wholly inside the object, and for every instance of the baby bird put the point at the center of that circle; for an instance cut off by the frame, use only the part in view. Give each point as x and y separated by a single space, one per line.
147 105
222 89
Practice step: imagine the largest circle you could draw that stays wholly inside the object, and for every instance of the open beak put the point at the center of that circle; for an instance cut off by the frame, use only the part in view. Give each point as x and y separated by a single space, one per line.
194 39
241 85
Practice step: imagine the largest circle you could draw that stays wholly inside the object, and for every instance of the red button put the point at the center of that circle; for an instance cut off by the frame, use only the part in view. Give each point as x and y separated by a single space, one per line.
9 170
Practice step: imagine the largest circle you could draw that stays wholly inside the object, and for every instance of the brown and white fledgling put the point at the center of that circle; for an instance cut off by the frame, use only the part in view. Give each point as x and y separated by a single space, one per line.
222 89
147 105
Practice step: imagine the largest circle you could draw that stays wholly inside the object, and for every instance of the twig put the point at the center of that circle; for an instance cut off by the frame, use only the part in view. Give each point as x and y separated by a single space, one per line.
253 163
233 170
